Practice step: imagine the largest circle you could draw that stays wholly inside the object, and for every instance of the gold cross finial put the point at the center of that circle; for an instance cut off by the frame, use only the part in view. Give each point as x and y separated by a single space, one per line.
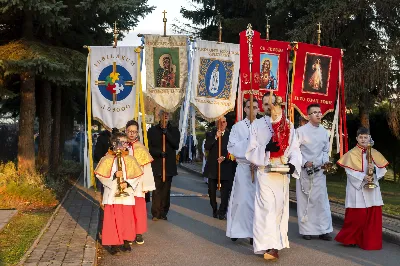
319 33
165 23
115 35
267 28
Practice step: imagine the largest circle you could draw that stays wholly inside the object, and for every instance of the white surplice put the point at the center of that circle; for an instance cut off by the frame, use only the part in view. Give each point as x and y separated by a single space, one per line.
314 213
146 181
110 187
356 195
271 210
241 204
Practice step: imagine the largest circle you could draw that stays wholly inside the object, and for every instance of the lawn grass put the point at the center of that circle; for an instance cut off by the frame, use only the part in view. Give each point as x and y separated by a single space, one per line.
35 202
337 192
19 234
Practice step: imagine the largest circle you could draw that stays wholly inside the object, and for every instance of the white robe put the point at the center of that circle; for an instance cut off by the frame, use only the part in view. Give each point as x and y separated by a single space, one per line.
356 195
110 187
146 181
241 204
271 210
314 214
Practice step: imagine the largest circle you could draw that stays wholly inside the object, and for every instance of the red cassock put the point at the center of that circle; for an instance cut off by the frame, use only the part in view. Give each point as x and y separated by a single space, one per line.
118 224
362 227
140 213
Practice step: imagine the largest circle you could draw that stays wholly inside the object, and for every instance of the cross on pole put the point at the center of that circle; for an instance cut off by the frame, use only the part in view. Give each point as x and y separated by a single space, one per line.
267 28
319 33
165 23
115 76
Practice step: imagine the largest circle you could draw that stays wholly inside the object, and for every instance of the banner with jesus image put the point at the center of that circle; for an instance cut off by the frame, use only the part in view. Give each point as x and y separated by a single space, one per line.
215 78
166 69
316 74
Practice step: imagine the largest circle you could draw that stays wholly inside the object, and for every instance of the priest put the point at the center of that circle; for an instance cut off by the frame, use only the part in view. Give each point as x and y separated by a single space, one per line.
363 217
272 143
241 204
313 210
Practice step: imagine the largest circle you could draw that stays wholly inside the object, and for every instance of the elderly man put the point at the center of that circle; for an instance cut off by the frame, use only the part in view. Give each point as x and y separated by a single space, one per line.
211 170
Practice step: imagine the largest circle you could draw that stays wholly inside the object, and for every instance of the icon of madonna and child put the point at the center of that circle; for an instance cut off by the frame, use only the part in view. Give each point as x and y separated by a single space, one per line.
166 72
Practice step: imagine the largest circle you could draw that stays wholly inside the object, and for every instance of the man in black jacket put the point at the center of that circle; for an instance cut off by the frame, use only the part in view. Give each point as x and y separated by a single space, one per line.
228 168
161 196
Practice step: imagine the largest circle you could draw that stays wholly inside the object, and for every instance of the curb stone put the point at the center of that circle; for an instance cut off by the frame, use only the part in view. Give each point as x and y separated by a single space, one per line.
337 218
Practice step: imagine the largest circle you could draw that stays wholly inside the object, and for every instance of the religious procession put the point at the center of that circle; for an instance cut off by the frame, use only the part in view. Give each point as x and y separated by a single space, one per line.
217 139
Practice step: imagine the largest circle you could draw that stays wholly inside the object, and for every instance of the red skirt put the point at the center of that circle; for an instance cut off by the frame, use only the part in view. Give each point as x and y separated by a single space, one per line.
140 213
118 224
362 227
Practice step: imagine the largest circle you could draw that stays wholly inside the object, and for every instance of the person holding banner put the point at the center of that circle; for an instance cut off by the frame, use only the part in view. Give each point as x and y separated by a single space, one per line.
364 167
274 148
119 221
313 208
211 169
145 182
161 196
241 204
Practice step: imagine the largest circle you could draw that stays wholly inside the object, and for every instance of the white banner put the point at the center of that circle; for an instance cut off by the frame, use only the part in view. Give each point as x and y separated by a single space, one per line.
166 69
215 78
113 73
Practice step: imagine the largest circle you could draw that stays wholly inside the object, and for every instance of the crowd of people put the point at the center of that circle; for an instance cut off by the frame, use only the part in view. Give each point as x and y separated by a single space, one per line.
251 165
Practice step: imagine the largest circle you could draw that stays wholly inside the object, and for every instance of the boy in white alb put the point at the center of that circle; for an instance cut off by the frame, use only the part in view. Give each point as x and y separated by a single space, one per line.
363 218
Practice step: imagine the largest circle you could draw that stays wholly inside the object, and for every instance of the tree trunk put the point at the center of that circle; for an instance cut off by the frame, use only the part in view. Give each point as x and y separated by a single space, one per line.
26 142
55 149
44 127
364 111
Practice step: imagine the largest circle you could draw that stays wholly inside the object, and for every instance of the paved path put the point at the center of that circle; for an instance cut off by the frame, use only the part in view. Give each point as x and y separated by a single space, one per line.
192 237
391 225
5 217
70 238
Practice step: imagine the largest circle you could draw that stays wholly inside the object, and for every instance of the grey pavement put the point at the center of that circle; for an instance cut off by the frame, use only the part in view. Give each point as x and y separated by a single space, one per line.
390 224
192 237
70 236
5 217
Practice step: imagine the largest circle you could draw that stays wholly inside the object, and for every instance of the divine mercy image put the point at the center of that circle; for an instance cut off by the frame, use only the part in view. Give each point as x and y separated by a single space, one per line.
316 75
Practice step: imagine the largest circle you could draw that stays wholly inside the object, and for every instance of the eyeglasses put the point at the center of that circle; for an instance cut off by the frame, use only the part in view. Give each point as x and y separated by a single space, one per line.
315 113
132 132
254 107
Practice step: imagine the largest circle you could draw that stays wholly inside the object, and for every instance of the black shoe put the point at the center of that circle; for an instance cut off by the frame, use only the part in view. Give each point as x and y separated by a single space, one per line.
222 217
251 241
164 218
215 215
114 250
139 240
234 239
326 237
306 237
126 246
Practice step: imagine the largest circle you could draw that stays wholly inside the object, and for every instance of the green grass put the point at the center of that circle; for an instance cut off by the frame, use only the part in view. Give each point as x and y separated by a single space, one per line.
390 193
20 233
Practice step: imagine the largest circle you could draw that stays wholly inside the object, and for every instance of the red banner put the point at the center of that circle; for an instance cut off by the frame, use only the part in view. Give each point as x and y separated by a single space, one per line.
315 80
270 67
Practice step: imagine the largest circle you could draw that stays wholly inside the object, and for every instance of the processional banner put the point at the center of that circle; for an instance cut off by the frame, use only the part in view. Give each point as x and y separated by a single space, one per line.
112 73
274 67
316 73
166 70
215 78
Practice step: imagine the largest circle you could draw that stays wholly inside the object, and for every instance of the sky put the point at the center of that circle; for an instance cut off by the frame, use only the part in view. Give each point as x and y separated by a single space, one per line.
153 22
